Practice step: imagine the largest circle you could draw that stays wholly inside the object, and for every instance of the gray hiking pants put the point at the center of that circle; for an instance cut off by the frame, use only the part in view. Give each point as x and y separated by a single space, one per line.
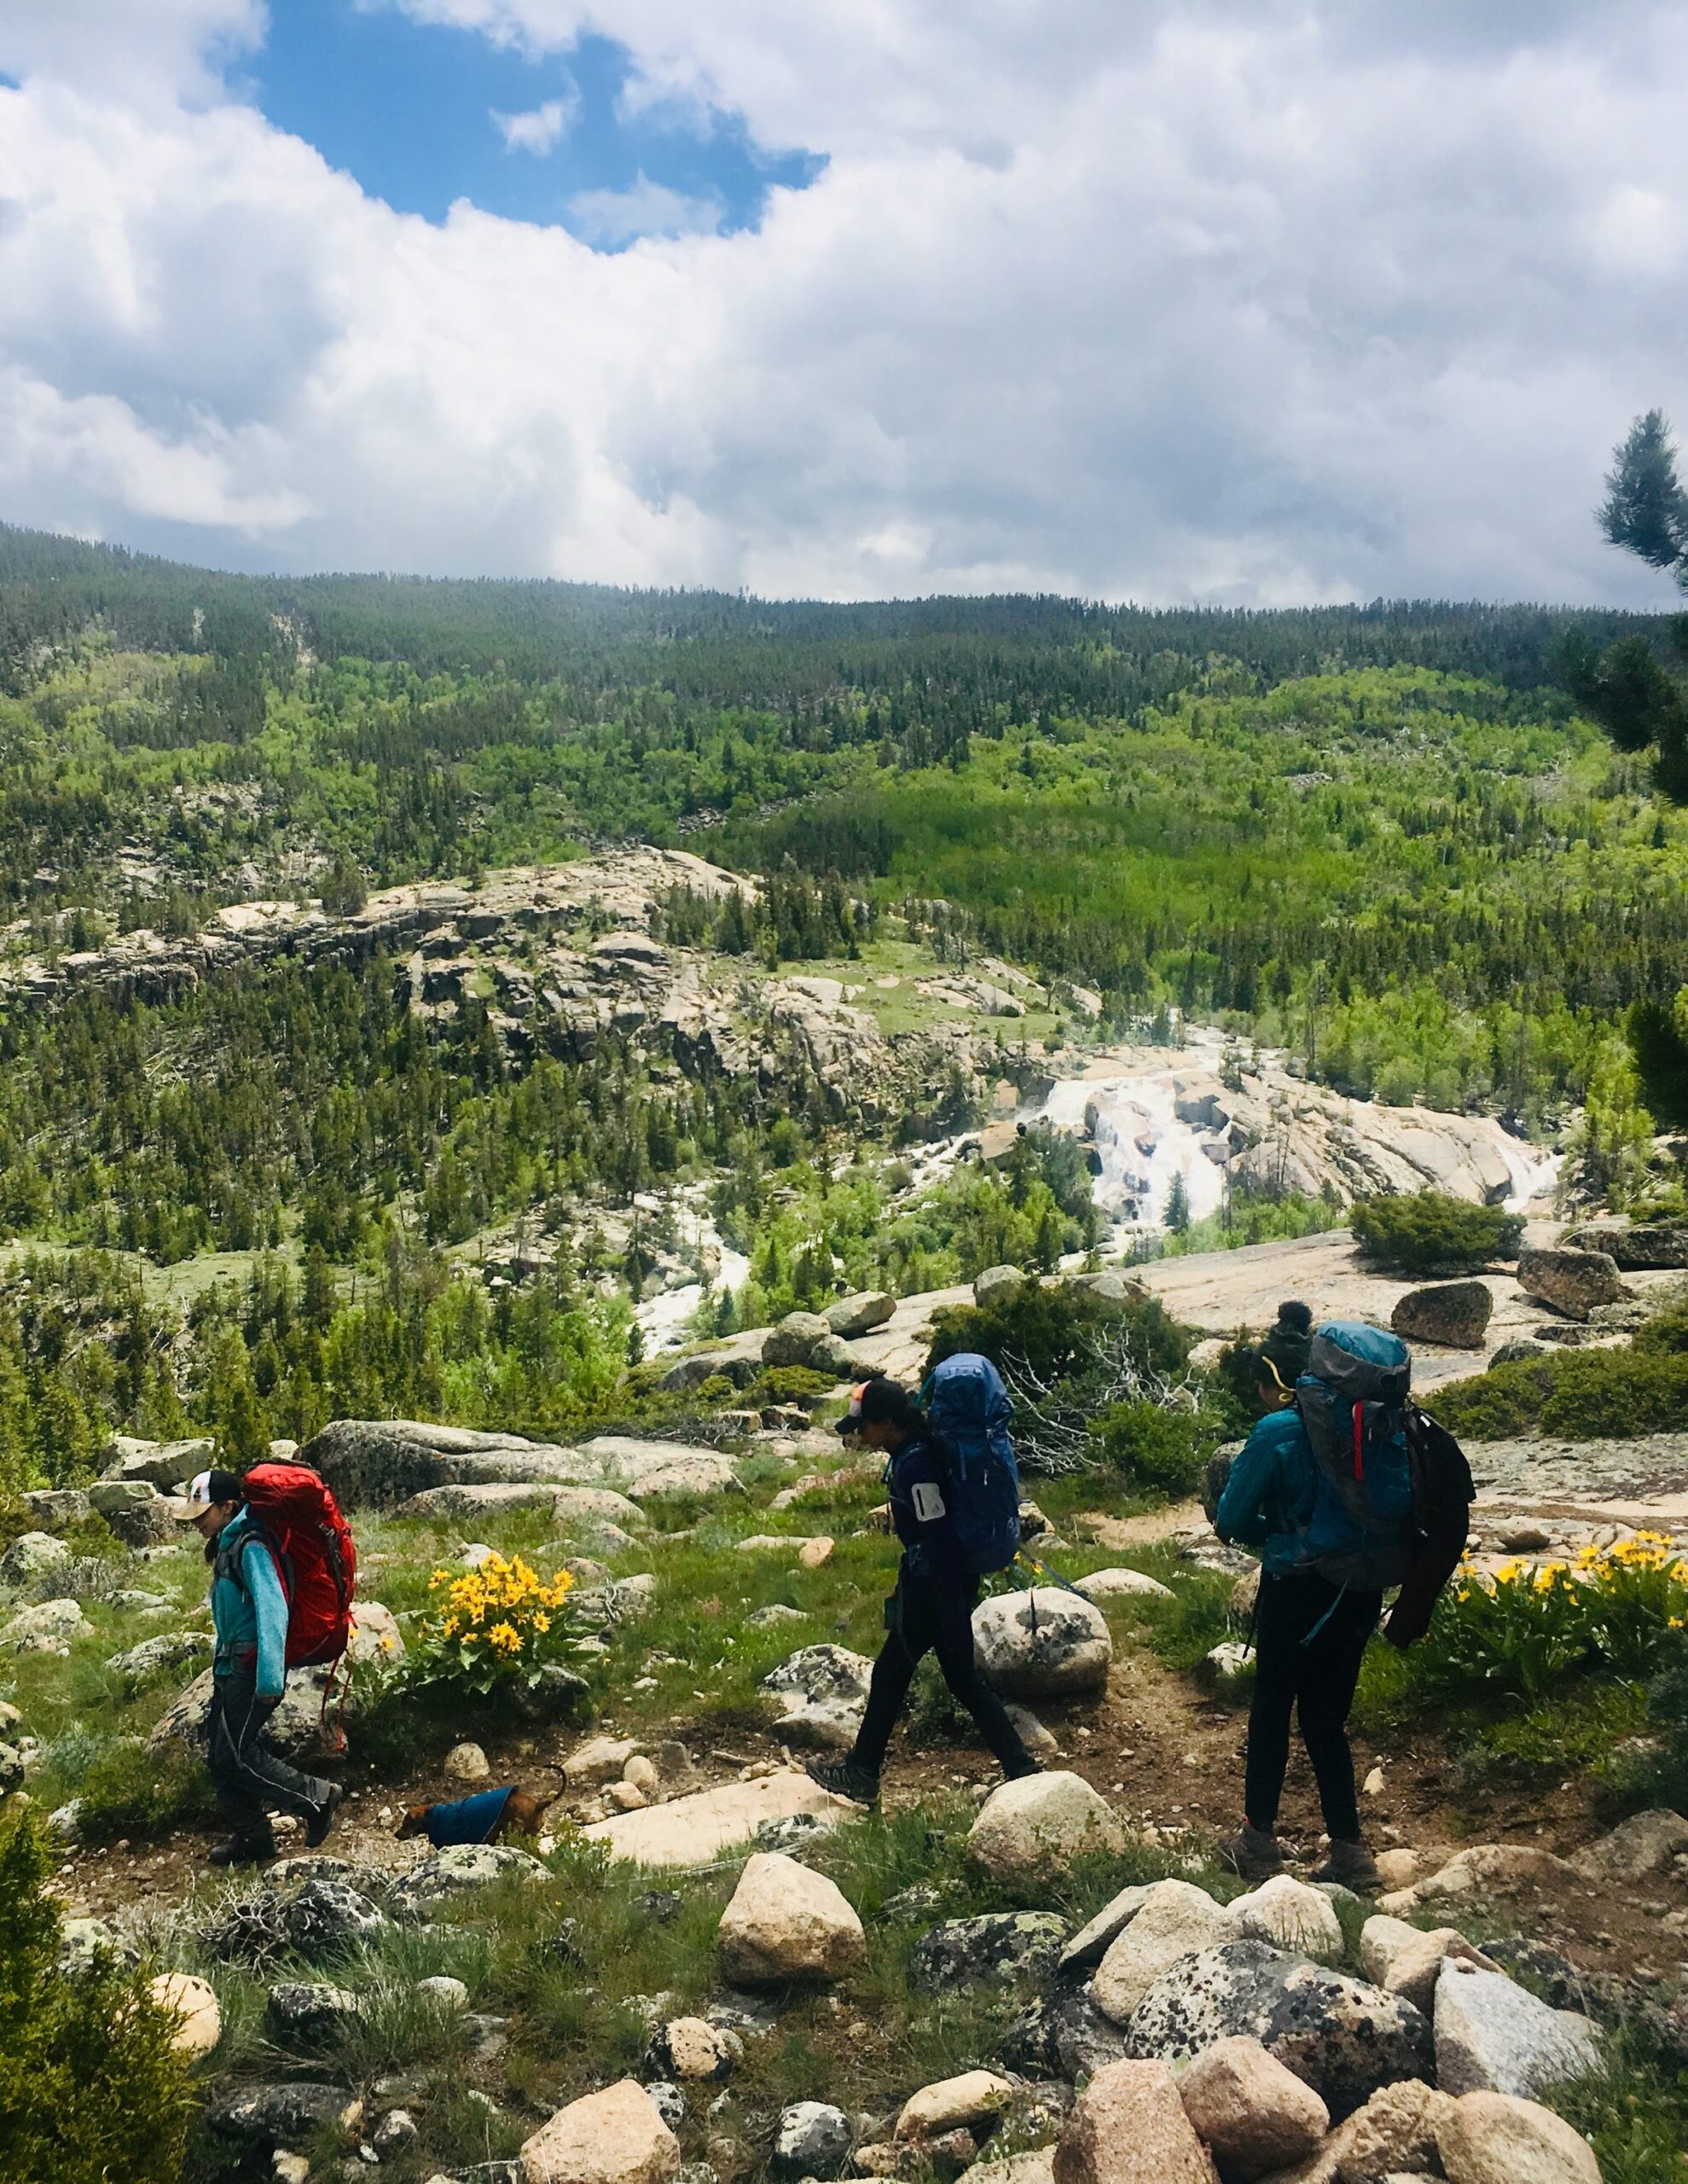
248 1774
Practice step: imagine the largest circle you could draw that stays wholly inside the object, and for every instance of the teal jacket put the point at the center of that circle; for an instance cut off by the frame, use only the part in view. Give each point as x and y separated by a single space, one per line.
250 1616
1267 1502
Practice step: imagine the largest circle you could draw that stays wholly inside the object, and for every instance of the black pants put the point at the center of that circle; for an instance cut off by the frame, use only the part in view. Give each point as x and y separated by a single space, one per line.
934 1615
1309 1640
246 1772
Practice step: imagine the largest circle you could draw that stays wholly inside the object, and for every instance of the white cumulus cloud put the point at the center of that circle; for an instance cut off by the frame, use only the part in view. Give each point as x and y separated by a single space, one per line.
1303 299
539 131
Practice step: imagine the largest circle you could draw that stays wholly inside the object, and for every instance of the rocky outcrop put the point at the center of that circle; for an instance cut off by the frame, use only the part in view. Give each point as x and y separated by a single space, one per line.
389 1463
997 1949
1633 1246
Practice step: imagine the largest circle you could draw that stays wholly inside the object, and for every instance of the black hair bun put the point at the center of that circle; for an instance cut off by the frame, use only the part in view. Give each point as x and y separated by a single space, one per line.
1294 1313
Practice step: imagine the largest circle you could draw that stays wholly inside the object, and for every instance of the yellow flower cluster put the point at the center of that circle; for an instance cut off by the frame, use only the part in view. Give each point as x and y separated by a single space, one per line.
495 1600
1640 1551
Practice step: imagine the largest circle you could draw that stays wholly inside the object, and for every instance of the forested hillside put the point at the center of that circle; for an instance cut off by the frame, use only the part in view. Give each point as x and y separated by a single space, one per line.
1379 838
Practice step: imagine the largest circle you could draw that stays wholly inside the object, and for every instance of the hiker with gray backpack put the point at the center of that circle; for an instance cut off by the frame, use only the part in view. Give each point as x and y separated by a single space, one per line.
955 1506
1347 1489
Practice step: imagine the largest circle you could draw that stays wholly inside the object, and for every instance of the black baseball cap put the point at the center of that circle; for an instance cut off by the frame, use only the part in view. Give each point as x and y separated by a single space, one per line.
878 1402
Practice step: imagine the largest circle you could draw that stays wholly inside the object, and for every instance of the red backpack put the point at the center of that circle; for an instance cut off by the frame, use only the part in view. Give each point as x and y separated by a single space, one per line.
316 1556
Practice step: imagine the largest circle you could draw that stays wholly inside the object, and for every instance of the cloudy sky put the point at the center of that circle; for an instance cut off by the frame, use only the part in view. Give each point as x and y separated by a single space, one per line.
1248 301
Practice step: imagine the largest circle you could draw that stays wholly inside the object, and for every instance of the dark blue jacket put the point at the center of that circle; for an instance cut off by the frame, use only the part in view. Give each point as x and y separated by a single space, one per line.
917 1476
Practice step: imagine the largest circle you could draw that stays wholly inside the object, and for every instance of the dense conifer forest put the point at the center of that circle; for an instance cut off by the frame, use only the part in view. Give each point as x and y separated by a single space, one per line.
1381 838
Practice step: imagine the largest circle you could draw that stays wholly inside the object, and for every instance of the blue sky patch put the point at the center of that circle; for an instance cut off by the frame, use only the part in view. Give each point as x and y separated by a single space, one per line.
422 114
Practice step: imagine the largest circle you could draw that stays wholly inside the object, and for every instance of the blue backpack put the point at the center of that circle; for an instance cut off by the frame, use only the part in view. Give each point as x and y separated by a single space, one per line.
967 1411
1352 1401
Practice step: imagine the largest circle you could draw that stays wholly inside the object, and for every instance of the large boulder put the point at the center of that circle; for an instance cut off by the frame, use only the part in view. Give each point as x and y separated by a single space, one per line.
1251 2113
611 2137
1572 1282
168 1653
1639 1847
564 1505
1041 1822
45 1628
1454 1313
1343 2037
31 1555
54 1506
998 1285
1488 2138
792 1341
163 1465
1175 1921
819 1694
785 1922
1633 1245
997 1949
642 1469
379 1463
859 1315
1128 2127
1041 1643
1492 2035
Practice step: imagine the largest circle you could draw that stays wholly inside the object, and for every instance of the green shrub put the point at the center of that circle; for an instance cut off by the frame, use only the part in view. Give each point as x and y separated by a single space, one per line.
789 1384
1152 1447
1056 1333
125 1790
91 2090
1430 1233
1591 1394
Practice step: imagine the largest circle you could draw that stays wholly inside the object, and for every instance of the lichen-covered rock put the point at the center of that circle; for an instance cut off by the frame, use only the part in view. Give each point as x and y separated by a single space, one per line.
45 1628
1456 1314
31 1555
1128 2127
998 1949
168 1653
1041 1822
1342 2037
1492 2035
1633 1245
690 2048
1643 1844
785 1922
290 2116
812 2139
794 1338
819 1694
308 2010
1176 1920
455 1872
1041 1643
1573 1282
1061 2033
1251 2113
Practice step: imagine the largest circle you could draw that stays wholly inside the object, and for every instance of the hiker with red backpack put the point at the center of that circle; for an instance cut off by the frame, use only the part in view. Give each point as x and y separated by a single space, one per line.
283 1568
1347 1489
955 1503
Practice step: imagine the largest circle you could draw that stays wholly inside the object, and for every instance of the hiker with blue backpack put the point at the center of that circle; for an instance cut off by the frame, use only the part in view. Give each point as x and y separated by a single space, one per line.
955 1503
1347 1489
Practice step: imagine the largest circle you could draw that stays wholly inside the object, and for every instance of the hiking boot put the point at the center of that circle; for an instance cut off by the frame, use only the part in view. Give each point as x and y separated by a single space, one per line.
1349 1865
1254 1853
1022 1767
846 1778
242 1850
322 1819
